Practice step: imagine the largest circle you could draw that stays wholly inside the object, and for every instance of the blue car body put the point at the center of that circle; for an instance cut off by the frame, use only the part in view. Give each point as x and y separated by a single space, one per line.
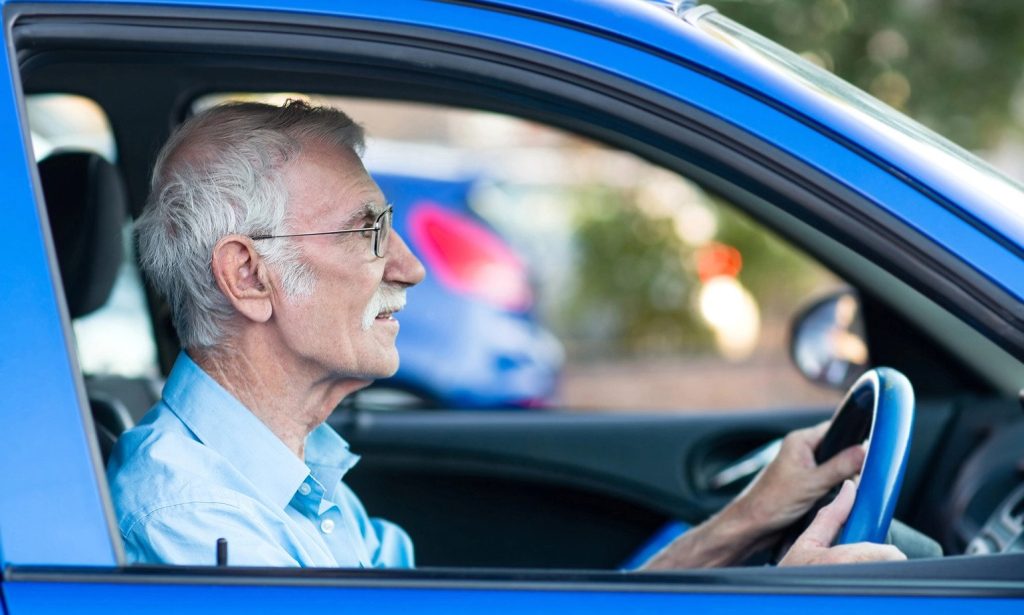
59 544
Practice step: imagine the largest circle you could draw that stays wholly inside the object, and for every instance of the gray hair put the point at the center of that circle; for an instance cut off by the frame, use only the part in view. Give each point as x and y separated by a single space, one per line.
221 172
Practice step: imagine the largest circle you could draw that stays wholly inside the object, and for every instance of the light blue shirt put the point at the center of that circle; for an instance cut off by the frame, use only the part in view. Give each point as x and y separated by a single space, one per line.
200 466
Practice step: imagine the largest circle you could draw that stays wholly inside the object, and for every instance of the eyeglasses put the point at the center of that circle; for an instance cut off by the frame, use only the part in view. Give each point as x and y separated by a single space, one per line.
381 230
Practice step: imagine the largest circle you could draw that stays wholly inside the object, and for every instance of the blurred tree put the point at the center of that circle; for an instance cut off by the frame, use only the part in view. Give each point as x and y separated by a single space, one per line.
634 281
954 65
778 275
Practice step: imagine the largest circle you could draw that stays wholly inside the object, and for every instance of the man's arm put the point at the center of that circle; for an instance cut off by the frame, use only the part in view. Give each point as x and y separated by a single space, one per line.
780 495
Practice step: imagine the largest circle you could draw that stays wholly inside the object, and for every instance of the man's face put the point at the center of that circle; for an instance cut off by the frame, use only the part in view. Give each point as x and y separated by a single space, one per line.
344 328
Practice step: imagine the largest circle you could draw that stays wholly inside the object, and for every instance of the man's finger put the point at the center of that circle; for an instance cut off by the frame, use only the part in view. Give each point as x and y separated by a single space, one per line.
864 552
812 435
816 433
823 530
841 466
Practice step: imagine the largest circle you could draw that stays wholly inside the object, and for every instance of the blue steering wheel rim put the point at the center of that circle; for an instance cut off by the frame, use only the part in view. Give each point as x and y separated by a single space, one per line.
892 409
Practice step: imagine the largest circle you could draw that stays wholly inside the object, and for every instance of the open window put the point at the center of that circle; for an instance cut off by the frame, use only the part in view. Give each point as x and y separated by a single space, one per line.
568 274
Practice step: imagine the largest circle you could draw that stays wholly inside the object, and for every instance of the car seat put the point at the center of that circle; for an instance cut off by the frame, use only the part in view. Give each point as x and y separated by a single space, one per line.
86 202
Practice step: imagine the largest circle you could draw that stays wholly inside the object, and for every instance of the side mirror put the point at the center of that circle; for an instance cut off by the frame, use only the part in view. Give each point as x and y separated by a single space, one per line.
827 341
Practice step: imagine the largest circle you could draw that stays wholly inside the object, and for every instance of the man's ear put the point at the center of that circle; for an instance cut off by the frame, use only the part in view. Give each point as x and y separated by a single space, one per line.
242 276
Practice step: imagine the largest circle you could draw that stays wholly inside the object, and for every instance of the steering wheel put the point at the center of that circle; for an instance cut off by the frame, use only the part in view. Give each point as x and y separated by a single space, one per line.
879 407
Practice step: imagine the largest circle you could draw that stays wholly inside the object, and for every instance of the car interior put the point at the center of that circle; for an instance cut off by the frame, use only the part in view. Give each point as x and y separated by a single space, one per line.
568 491
86 203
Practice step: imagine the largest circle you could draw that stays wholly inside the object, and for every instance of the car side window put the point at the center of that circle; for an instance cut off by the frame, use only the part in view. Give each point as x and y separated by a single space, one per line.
567 273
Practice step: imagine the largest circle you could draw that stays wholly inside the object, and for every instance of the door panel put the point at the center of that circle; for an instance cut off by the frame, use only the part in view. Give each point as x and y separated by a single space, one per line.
42 395
196 591
544 489
563 490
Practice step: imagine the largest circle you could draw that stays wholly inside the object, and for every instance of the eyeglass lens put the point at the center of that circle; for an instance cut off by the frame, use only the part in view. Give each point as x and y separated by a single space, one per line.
380 238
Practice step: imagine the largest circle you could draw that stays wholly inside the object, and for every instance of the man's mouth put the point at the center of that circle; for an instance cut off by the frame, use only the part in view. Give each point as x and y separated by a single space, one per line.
386 315
386 302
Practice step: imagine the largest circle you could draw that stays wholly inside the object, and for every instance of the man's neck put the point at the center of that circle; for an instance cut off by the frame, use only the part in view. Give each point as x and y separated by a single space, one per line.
289 400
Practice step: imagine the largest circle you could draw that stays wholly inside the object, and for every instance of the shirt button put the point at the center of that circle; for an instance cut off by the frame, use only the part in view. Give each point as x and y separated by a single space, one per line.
327 526
304 489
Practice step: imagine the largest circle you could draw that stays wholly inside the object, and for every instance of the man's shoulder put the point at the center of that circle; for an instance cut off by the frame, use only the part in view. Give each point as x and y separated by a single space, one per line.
160 465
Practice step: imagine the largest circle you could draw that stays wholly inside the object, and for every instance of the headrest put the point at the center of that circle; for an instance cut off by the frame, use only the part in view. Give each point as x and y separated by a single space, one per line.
86 202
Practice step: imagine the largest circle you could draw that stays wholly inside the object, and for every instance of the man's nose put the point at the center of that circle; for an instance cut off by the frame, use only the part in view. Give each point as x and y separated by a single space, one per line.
402 267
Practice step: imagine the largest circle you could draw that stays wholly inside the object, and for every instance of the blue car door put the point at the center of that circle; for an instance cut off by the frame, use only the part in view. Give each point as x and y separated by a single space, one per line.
629 73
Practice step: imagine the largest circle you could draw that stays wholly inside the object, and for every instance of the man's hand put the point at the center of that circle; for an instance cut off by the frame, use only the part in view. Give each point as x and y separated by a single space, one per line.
778 496
781 494
793 482
813 546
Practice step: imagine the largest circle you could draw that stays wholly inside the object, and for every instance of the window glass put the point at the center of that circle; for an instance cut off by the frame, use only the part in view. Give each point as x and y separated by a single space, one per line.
116 339
607 282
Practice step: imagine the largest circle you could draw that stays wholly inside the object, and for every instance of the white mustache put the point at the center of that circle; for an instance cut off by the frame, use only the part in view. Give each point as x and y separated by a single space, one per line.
387 298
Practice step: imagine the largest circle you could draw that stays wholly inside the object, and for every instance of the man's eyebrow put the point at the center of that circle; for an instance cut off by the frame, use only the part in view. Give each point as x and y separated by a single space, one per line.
371 209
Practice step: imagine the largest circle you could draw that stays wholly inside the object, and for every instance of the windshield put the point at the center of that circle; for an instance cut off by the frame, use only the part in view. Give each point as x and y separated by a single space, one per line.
1000 196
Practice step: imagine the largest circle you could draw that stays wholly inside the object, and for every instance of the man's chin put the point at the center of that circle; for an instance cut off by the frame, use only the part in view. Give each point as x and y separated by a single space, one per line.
387 367
366 377
387 373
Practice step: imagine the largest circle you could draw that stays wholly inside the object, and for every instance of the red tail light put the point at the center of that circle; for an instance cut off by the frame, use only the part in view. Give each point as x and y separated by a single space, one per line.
467 257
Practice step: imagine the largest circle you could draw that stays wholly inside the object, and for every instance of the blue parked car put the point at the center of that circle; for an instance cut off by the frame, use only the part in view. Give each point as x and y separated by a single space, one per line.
470 335
536 511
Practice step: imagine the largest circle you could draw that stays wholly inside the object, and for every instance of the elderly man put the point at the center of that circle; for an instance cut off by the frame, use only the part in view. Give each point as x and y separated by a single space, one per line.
274 249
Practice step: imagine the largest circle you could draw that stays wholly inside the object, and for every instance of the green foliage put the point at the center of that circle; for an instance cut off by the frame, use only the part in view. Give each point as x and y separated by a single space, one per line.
634 281
954 65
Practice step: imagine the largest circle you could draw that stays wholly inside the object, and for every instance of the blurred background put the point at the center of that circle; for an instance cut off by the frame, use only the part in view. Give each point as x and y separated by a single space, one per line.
564 273
956 66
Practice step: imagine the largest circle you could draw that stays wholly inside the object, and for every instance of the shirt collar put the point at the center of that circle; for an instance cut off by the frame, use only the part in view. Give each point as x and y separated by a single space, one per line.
328 457
221 422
